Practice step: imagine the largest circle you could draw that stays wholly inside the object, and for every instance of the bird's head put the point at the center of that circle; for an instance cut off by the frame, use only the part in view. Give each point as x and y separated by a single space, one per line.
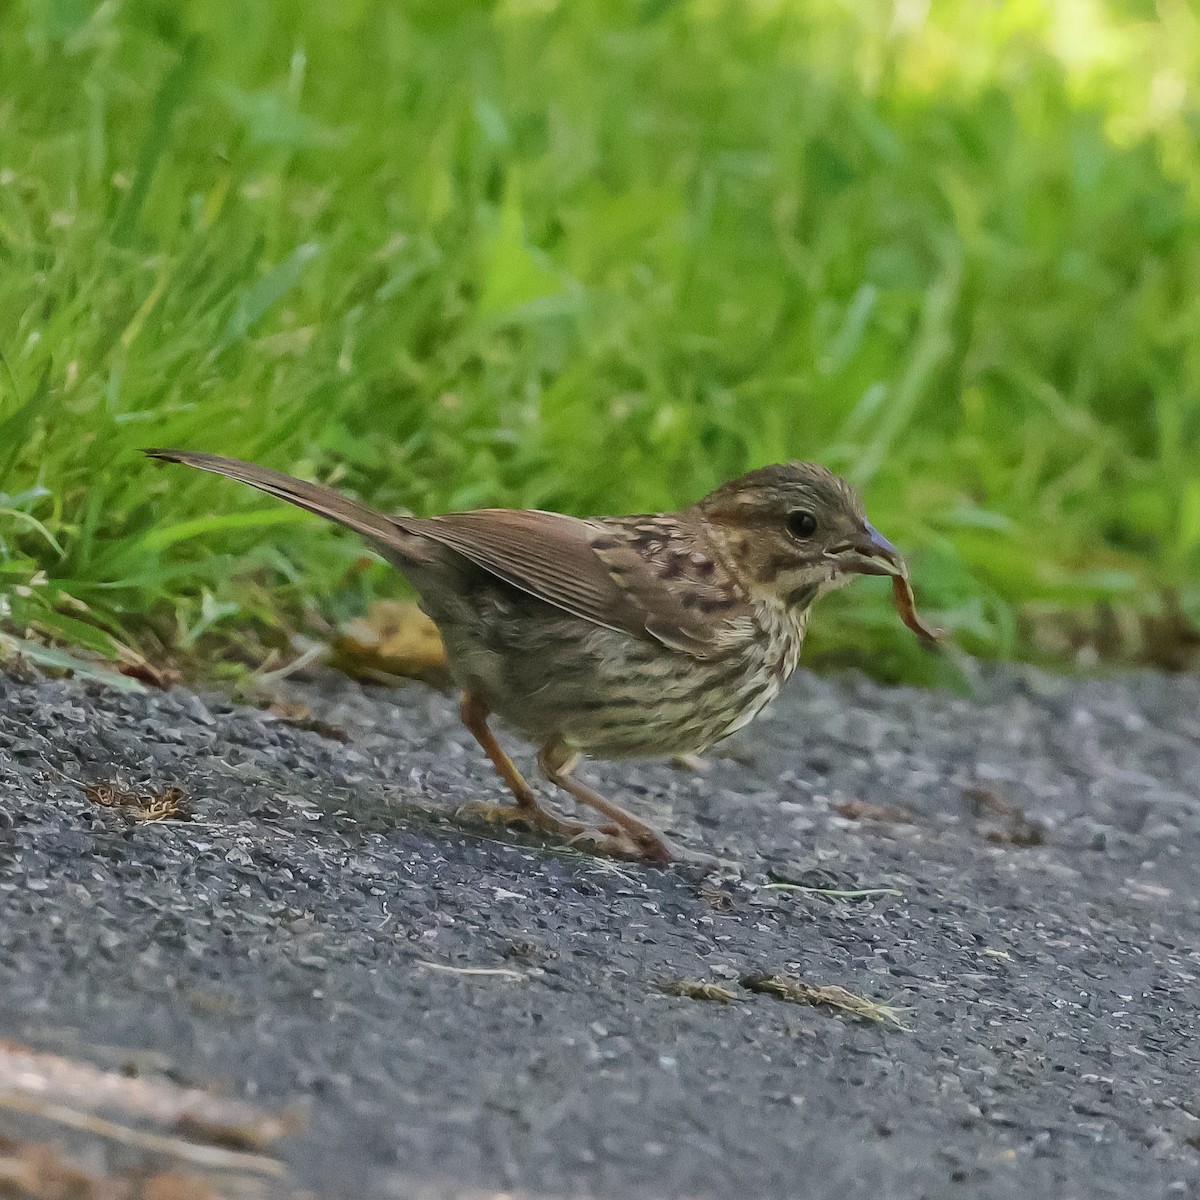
796 530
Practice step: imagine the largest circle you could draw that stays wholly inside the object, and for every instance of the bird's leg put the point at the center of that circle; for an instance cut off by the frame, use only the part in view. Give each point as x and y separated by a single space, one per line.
474 713
627 836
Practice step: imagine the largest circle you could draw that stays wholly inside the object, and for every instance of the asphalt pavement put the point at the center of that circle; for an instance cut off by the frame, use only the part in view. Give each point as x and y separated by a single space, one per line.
445 1009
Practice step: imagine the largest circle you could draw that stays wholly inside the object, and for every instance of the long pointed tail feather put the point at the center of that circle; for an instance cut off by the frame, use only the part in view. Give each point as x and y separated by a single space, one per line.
315 497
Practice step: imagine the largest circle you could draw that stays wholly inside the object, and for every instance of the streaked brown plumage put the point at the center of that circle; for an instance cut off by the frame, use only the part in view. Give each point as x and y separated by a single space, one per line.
616 636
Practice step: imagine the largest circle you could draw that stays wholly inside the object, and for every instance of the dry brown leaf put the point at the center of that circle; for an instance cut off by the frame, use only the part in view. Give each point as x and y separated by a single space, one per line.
287 711
698 989
392 638
1168 638
152 675
164 805
1014 828
300 716
1024 835
862 810
799 991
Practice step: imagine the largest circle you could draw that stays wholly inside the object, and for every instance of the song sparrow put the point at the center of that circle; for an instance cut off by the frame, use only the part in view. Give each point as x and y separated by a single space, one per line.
617 636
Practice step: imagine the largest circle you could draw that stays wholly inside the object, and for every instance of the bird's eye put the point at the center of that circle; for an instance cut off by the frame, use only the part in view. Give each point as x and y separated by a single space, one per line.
801 523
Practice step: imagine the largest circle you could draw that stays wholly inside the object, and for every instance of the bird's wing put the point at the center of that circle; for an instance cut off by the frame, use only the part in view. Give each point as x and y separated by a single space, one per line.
611 572
592 569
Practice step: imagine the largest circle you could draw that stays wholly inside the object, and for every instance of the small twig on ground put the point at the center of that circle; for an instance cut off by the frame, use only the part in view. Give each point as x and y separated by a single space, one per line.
30 1077
212 1157
836 893
797 991
501 972
698 989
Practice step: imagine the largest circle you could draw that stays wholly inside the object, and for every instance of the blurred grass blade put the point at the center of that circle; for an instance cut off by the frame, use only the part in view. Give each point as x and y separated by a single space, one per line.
266 292
933 343
14 429
211 526
61 660
600 258
171 94
31 522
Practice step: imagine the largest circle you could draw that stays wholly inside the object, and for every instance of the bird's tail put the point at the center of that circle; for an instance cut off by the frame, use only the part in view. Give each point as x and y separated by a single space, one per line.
314 497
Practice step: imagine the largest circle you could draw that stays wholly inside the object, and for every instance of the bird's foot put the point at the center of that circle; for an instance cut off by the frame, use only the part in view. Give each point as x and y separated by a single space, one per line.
608 840
531 815
611 841
614 842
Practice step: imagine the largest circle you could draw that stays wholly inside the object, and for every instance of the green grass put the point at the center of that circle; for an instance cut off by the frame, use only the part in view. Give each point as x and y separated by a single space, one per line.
597 257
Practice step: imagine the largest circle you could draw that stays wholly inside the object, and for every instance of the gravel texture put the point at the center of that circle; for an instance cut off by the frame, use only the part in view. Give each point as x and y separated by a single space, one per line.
287 945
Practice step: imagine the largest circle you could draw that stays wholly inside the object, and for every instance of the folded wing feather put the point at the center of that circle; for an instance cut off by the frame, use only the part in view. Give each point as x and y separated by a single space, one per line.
547 555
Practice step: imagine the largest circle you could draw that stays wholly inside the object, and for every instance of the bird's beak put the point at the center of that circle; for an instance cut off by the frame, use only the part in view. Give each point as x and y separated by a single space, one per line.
869 554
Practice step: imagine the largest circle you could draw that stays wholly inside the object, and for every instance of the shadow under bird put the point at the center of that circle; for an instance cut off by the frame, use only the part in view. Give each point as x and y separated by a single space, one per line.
617 636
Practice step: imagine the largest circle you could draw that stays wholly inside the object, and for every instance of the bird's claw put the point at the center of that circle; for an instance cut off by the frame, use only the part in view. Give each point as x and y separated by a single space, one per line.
520 814
609 840
614 842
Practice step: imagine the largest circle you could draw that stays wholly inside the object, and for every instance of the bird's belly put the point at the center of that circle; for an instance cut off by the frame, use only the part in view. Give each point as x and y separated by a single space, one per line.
610 694
649 713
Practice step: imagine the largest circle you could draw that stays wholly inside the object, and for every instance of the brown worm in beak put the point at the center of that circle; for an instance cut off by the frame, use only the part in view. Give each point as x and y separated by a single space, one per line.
902 597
